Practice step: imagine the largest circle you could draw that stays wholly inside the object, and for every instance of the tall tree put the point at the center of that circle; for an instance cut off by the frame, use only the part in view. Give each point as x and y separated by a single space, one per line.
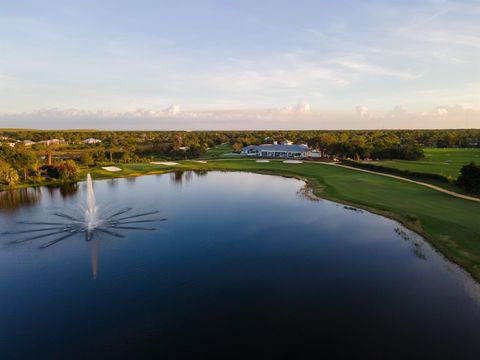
177 141
470 178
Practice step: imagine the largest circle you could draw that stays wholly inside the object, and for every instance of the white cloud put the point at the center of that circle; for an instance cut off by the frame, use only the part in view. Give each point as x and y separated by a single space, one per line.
398 111
441 111
172 110
301 116
303 108
443 37
288 75
285 110
359 65
362 110
456 109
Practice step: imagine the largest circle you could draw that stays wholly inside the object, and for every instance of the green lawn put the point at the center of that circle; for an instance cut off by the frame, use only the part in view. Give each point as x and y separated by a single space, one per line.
447 162
218 151
452 225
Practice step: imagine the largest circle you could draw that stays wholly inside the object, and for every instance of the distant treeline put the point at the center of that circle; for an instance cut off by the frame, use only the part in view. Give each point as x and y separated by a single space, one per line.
425 138
21 163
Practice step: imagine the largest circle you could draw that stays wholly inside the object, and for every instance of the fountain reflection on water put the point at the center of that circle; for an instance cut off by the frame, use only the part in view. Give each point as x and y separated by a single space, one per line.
90 220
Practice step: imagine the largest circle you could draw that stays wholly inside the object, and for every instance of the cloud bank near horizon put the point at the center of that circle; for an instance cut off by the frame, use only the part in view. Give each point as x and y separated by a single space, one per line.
298 117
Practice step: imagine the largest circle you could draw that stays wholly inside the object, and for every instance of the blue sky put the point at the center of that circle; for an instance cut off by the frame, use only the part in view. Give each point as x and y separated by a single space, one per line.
239 64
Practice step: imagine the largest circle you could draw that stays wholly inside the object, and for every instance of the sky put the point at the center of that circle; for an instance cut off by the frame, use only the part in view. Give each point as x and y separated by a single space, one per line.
250 64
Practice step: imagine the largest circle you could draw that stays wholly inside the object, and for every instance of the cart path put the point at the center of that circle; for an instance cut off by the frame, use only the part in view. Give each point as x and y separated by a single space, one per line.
433 187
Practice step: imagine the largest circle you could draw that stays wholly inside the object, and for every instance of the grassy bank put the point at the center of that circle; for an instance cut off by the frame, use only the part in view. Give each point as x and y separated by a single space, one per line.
438 180
218 151
446 162
452 225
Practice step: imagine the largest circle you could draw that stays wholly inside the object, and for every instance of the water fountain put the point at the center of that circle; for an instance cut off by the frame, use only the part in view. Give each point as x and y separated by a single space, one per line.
91 210
89 219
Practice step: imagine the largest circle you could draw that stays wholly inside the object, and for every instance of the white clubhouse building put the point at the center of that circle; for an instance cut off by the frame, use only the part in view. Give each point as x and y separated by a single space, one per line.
91 141
285 150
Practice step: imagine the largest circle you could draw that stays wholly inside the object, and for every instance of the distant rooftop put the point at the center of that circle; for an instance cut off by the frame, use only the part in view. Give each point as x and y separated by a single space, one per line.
276 147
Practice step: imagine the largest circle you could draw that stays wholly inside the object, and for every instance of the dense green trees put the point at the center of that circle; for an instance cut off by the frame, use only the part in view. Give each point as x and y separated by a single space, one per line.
376 145
134 146
20 157
87 158
323 142
8 175
237 146
470 178
68 171
448 139
425 138
345 144
130 145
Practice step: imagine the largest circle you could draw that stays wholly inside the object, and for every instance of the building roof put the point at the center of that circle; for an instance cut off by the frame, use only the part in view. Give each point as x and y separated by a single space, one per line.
268 147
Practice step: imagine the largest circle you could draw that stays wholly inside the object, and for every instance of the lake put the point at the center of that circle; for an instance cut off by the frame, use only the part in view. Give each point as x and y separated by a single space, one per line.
245 265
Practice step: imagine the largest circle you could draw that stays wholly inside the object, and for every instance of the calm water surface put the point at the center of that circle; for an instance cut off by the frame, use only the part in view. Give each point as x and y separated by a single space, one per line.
245 266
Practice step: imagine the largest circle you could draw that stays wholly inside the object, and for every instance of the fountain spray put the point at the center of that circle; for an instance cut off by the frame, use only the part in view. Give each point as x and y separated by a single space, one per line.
91 210
94 220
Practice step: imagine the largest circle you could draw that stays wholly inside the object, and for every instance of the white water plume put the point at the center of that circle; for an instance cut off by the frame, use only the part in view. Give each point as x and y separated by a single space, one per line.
95 219
91 210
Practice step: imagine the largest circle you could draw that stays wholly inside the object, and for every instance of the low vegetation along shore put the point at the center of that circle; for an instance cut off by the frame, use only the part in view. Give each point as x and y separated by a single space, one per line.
449 223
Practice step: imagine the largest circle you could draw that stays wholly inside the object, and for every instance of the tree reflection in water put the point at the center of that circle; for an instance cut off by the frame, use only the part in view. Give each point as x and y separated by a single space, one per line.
178 177
10 200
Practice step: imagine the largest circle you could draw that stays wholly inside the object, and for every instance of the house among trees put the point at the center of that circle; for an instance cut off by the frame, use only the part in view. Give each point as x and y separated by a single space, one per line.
315 154
52 142
92 141
285 150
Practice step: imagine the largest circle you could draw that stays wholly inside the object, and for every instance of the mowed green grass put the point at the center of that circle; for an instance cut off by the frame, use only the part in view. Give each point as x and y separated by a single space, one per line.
451 224
447 162
218 151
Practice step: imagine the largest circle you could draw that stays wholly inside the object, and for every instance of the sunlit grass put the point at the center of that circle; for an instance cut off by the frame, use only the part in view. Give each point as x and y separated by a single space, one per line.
447 162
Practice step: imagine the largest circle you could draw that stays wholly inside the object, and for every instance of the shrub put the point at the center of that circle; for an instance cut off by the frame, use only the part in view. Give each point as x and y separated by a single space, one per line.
470 178
68 171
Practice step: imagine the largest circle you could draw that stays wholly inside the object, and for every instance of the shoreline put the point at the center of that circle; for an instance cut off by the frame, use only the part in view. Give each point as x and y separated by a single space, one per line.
453 250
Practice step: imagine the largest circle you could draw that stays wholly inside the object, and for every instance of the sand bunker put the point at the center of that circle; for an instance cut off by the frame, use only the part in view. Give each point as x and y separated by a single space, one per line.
199 161
111 168
166 163
292 162
263 161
